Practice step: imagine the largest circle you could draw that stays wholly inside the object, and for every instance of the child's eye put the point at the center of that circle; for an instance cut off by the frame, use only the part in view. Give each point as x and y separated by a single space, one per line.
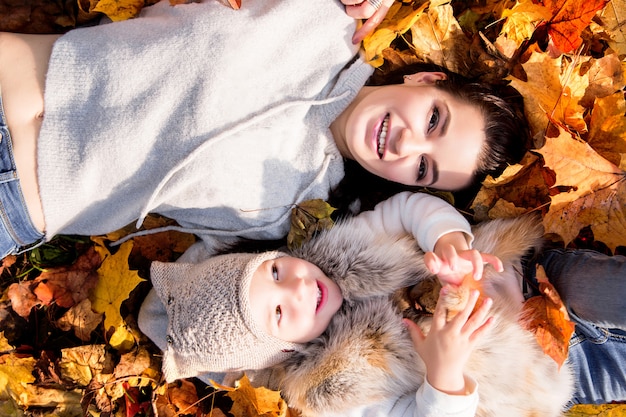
278 313
434 120
275 272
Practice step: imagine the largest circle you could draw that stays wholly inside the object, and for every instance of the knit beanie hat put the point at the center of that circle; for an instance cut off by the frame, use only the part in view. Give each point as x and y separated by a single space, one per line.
210 326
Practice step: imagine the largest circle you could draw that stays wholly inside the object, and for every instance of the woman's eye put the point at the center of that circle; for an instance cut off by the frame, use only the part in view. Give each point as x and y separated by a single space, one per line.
434 120
422 169
278 313
274 272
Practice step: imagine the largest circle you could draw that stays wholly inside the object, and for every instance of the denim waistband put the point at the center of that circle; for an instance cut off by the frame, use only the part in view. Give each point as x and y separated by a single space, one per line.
16 222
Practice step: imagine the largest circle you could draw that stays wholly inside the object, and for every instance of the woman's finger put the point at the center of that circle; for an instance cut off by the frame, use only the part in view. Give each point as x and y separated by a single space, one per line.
373 20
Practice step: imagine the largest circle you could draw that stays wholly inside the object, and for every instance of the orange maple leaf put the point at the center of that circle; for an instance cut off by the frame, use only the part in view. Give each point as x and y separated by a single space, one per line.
570 18
69 285
545 315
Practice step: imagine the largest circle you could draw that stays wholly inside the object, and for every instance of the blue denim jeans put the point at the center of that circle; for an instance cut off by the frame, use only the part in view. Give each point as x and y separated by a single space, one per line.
17 232
593 287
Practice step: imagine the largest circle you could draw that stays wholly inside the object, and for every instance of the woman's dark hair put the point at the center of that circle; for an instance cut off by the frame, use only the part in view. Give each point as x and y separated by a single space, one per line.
506 130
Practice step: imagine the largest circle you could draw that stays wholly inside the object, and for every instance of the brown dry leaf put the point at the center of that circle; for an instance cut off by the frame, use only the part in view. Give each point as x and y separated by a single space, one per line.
550 96
115 284
596 193
546 317
22 298
605 75
307 218
570 18
256 402
80 364
81 319
437 37
163 246
613 17
607 129
398 21
521 188
133 363
178 398
69 285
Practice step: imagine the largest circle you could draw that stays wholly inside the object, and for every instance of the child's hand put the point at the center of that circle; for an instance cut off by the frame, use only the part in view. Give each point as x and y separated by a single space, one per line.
452 259
448 345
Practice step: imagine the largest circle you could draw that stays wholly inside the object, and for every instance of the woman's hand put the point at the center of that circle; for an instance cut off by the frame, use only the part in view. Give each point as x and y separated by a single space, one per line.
372 10
448 345
452 259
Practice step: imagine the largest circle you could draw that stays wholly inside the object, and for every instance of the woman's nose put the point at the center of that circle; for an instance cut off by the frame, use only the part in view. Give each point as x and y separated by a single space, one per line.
409 143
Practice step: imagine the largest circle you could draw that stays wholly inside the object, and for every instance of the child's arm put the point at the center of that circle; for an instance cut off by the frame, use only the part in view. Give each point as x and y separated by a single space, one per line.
445 351
448 345
452 259
438 227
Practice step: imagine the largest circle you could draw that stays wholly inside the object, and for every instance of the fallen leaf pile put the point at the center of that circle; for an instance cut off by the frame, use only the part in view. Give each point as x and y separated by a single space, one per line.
69 342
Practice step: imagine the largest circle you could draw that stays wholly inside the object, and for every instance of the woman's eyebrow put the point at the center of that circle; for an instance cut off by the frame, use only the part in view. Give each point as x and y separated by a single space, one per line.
446 122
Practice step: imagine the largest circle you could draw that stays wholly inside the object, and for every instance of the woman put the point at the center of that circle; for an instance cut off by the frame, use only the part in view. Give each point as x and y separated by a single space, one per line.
221 120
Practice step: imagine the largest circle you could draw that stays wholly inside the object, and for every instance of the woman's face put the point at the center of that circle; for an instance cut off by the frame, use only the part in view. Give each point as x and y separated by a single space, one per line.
293 299
412 133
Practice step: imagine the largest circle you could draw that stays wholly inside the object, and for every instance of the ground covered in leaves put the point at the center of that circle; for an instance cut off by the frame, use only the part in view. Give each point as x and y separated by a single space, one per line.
69 344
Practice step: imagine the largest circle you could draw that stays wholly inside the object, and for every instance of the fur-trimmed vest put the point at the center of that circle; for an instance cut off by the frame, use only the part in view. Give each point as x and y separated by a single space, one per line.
366 355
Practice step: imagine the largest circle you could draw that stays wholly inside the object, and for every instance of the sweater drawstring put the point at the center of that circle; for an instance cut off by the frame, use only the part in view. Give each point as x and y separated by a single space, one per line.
206 145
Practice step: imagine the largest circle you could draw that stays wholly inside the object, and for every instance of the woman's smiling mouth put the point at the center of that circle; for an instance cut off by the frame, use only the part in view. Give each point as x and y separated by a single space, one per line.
381 137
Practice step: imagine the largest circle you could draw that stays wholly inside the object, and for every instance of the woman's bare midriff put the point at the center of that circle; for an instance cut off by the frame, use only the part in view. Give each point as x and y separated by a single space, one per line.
23 66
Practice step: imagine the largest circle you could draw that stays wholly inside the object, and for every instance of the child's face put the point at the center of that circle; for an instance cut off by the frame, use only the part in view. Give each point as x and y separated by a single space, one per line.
415 135
293 299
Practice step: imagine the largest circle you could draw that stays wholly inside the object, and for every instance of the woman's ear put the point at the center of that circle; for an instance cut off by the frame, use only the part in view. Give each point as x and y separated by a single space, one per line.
424 77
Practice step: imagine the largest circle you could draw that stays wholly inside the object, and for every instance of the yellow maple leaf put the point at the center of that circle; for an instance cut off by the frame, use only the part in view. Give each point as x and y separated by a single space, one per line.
597 410
398 21
253 402
607 128
437 37
522 19
549 95
4 343
16 375
118 10
82 363
594 192
115 283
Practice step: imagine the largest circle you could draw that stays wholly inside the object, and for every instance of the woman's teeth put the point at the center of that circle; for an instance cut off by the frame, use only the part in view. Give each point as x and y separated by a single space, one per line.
382 136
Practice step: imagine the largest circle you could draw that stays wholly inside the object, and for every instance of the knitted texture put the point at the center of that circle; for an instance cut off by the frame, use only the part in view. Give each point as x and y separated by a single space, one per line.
210 327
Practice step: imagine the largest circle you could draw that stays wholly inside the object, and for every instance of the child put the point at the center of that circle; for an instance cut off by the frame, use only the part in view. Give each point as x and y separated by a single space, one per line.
170 315
363 357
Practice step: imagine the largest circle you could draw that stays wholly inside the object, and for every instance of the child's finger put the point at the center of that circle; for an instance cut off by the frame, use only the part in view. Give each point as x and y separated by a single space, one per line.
417 336
432 262
494 261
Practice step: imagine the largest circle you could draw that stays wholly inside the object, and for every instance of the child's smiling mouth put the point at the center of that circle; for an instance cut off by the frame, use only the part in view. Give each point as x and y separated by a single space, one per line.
321 296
